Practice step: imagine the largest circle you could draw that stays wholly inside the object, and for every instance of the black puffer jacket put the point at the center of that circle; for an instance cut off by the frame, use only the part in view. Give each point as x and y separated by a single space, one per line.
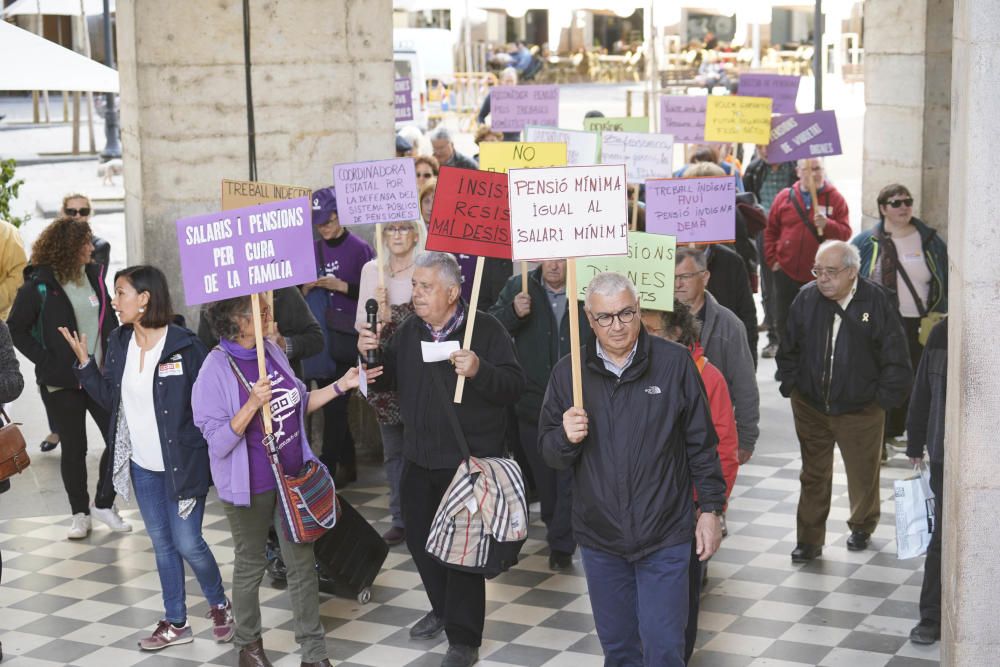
871 361
650 436
40 308
729 284
925 419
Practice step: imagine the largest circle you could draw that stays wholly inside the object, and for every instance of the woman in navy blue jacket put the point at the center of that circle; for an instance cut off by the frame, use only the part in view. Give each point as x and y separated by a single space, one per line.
148 372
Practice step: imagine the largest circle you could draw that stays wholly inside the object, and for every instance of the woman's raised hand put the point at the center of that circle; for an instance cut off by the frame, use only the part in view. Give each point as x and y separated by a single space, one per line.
77 343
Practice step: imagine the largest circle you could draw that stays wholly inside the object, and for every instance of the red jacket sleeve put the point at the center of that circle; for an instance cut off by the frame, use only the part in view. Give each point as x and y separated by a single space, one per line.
724 420
839 225
772 232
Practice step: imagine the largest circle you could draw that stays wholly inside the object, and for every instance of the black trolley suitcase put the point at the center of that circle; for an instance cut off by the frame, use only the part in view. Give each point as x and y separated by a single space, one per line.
351 554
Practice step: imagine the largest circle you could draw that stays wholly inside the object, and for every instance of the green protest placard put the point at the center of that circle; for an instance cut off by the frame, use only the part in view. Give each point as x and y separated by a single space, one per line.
623 124
649 264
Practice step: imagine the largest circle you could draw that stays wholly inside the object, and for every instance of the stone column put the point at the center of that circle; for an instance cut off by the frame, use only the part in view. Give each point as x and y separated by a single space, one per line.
971 623
908 102
322 93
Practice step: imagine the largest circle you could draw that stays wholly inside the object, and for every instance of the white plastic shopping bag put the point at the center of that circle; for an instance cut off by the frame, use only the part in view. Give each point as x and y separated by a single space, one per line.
914 514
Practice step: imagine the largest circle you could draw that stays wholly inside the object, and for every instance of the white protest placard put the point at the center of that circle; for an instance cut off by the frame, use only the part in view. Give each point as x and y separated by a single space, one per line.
581 146
562 212
644 155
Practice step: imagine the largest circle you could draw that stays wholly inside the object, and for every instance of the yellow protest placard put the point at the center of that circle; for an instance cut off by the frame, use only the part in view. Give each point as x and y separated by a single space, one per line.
499 156
240 194
734 118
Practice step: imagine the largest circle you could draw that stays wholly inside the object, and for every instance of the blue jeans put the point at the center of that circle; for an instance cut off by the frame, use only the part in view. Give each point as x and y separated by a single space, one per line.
176 540
640 608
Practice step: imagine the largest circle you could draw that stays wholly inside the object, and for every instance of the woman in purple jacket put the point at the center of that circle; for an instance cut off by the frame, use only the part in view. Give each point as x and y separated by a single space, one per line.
227 414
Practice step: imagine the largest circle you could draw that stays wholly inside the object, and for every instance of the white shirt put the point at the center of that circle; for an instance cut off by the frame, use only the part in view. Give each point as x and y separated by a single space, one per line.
836 321
910 252
137 401
400 286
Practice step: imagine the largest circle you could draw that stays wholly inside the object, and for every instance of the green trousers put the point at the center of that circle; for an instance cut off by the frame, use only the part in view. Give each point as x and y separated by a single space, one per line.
250 526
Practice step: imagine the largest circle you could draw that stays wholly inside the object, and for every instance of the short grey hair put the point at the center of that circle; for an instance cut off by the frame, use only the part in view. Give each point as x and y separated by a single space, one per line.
224 316
852 258
610 283
802 162
444 262
441 133
697 255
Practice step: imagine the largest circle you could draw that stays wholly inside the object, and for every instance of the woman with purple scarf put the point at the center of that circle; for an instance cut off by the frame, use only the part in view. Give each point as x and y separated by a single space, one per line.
226 399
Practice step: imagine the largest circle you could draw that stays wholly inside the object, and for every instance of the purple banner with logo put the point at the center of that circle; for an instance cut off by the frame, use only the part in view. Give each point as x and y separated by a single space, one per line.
379 191
803 135
513 107
246 250
404 99
683 117
782 89
695 210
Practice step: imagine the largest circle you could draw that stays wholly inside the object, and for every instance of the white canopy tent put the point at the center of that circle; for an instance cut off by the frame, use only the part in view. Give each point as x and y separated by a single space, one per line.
55 7
35 63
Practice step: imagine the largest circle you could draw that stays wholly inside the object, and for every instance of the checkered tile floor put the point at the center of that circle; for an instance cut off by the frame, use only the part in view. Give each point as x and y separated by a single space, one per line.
86 603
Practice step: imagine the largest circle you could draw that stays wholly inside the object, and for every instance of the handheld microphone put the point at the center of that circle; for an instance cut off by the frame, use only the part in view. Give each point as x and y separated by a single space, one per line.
372 357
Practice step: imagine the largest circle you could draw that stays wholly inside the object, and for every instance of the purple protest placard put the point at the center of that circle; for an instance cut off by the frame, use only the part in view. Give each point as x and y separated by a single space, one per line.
246 250
513 107
695 210
782 89
404 99
803 135
376 192
683 117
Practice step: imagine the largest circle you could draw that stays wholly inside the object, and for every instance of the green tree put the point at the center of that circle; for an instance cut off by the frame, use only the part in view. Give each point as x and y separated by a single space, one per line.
9 187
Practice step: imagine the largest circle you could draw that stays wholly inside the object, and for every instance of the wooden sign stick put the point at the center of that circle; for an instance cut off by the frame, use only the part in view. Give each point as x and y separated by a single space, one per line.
470 321
815 202
574 332
379 262
635 210
524 277
258 335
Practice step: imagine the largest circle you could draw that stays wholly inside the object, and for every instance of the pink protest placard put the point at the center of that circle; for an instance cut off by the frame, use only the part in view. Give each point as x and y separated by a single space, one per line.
695 210
781 88
803 135
683 117
246 250
379 191
514 107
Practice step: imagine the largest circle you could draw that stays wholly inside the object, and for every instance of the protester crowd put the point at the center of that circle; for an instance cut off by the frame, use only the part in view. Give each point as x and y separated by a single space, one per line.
636 481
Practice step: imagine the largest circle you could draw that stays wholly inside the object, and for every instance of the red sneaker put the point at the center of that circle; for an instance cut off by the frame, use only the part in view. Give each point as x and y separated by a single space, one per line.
223 625
166 635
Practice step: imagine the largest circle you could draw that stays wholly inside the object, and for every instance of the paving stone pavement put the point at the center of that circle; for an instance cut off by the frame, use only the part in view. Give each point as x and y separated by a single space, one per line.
87 602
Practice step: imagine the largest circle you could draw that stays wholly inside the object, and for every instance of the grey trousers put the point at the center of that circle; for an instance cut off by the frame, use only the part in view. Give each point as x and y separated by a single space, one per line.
392 454
249 526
